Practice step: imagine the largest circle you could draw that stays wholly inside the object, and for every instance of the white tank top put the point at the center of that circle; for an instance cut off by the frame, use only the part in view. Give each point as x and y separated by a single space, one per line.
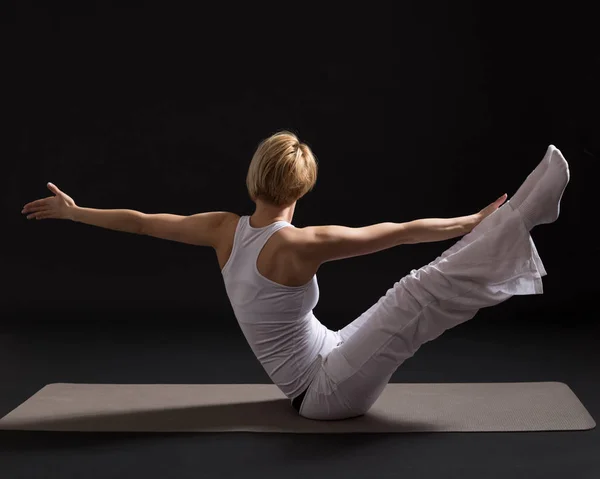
277 320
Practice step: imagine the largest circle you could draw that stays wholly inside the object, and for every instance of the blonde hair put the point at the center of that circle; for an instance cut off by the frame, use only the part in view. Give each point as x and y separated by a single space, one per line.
282 170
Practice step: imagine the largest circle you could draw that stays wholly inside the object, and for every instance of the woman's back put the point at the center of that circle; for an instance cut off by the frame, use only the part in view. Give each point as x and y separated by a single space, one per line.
276 319
278 260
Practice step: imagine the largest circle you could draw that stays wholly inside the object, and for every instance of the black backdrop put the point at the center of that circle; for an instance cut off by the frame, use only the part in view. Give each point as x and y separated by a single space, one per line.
413 111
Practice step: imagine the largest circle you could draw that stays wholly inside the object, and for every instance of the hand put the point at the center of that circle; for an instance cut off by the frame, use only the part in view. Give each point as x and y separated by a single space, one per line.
60 206
488 210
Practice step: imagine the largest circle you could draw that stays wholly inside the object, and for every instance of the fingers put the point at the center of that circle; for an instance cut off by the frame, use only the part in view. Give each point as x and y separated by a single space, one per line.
44 201
500 200
40 215
37 203
36 209
37 212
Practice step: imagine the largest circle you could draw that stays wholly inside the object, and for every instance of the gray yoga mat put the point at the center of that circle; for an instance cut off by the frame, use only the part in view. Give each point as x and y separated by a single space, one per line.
447 407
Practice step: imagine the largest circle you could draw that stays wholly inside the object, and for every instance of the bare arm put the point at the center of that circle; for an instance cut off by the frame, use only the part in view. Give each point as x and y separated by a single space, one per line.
202 229
333 242
128 221
320 244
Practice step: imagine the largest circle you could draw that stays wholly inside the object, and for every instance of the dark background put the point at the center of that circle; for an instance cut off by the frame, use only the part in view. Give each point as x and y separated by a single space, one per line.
414 109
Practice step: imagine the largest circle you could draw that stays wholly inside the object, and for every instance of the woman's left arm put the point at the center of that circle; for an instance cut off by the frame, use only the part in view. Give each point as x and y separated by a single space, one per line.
201 229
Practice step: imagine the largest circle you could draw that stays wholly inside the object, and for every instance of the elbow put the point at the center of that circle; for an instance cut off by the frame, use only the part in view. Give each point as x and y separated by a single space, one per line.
141 222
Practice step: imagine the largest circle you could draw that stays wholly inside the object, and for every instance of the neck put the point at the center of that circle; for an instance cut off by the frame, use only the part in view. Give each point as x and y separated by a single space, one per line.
265 213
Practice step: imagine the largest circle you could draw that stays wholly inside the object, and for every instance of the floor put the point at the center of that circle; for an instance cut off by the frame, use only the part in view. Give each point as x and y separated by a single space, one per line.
497 346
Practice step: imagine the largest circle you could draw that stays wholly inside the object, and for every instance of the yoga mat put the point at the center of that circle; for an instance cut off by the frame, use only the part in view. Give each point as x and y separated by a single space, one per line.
446 407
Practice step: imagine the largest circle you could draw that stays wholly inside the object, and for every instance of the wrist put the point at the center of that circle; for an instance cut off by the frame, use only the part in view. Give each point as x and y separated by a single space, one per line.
73 213
472 221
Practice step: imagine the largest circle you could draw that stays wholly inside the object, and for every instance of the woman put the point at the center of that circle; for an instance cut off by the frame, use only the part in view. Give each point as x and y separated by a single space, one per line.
269 269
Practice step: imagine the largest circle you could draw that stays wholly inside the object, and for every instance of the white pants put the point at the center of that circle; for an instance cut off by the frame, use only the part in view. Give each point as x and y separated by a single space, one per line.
494 262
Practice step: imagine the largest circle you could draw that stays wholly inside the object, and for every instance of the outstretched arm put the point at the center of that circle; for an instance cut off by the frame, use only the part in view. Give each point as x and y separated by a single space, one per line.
201 229
320 244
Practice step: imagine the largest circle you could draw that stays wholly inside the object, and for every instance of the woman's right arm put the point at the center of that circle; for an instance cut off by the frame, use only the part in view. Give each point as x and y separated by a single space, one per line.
320 244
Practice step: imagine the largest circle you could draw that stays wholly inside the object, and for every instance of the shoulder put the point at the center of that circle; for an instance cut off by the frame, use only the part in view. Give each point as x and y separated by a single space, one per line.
289 238
228 224
228 217
225 231
298 242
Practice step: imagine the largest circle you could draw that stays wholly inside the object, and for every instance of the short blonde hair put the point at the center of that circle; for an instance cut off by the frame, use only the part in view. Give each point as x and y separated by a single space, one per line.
282 170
